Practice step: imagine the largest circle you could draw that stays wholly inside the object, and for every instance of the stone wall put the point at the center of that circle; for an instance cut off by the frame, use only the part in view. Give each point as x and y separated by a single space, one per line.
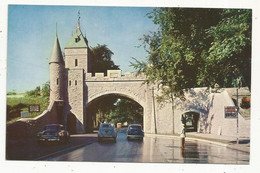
210 106
76 87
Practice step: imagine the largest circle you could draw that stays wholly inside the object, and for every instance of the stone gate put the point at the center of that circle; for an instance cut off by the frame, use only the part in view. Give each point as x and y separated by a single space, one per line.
73 88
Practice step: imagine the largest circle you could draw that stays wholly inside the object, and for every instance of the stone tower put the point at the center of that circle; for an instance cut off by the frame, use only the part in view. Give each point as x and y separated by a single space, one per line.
57 70
77 65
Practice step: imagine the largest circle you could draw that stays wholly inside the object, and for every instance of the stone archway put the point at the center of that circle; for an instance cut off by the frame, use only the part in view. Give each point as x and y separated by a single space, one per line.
190 120
94 103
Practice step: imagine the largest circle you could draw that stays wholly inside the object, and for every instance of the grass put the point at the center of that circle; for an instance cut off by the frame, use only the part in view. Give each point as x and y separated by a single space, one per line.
17 104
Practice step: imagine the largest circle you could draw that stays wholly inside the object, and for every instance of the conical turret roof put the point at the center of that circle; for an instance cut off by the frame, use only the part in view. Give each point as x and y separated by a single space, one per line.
77 40
56 55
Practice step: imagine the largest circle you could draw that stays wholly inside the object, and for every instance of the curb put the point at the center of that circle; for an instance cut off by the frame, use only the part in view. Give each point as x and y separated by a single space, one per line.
207 141
239 149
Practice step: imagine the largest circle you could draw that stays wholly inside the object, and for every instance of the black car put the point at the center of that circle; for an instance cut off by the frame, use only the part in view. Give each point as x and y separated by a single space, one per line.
135 131
53 133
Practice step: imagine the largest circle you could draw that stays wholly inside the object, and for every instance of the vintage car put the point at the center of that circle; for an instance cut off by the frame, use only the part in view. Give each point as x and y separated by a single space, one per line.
107 131
134 131
53 133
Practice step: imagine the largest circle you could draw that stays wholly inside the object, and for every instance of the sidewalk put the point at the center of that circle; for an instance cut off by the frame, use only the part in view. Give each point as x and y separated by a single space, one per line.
225 141
228 141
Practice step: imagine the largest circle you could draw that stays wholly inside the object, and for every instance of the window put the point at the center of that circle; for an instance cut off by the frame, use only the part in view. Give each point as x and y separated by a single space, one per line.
76 62
57 81
77 39
76 82
70 83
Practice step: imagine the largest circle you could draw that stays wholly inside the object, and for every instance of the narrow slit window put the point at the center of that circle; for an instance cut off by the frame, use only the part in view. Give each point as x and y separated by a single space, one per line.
76 82
57 81
70 83
76 62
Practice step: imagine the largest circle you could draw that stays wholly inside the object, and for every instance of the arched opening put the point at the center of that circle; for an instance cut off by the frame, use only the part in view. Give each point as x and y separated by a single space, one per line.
71 123
190 121
113 108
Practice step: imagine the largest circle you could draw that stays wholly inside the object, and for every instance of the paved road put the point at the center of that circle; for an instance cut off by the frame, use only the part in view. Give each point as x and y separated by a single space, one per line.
156 150
27 148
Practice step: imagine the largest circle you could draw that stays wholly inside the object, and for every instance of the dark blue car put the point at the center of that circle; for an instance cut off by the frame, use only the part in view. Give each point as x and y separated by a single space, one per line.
53 133
135 131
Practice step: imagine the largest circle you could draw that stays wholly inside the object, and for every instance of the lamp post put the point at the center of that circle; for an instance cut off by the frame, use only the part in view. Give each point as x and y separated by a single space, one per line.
155 128
238 86
237 118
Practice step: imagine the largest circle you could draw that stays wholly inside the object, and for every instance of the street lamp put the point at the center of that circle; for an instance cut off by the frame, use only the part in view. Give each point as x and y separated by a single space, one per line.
155 128
238 86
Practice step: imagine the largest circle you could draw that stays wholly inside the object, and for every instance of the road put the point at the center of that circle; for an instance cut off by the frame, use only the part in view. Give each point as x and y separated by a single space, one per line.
154 149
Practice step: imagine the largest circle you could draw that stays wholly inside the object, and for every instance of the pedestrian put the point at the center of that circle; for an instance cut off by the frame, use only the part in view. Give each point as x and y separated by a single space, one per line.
182 136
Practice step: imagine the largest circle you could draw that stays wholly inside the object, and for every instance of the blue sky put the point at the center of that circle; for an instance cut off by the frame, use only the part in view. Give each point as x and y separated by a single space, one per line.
32 30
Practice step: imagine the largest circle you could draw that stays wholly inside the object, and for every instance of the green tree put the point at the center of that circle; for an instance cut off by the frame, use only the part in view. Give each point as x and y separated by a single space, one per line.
46 89
229 56
101 59
103 106
35 92
196 47
112 108
126 111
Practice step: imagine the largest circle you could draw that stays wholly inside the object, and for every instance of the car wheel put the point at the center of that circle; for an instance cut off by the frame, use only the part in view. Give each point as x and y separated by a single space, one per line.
114 139
128 138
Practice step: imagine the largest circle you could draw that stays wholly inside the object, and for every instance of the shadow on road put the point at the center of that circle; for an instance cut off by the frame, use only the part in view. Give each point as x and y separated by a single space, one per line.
27 148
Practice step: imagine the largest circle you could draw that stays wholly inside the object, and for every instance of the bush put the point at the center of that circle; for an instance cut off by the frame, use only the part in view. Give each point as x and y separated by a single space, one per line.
16 105
11 93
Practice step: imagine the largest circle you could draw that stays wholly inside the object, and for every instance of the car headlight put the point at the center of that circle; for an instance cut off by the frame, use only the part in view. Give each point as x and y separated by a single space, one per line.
60 134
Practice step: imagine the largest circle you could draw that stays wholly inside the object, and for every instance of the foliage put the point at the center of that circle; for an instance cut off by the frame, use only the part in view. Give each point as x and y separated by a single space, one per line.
11 93
100 111
35 92
16 105
117 109
101 59
229 56
197 47
126 111
46 90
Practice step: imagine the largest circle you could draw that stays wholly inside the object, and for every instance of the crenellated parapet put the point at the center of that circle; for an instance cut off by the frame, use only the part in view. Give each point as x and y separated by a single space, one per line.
113 75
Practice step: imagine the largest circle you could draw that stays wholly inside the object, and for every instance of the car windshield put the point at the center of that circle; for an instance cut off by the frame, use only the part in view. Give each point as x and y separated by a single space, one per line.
106 125
135 128
53 127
